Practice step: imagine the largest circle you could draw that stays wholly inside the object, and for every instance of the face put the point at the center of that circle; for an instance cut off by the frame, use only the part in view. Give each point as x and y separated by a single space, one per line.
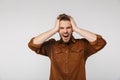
65 30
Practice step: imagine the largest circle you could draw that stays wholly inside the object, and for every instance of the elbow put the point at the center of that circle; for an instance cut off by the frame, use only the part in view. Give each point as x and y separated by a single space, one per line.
32 46
104 42
100 43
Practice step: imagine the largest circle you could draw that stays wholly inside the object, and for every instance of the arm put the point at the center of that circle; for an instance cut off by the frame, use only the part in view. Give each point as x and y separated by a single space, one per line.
36 42
44 36
92 41
91 37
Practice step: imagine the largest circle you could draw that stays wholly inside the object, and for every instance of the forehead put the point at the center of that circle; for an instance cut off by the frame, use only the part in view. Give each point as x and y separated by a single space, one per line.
65 23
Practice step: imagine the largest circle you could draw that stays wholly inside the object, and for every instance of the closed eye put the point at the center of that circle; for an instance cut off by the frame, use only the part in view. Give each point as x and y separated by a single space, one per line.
69 27
61 27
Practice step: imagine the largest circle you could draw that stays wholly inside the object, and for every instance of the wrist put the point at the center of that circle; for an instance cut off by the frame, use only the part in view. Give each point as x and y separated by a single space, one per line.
55 30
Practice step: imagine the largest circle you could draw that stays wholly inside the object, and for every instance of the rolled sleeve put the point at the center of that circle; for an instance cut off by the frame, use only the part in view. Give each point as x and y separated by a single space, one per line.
43 49
33 46
93 47
99 43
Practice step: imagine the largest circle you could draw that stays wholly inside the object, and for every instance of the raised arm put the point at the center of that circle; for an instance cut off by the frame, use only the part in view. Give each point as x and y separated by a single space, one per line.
44 36
91 37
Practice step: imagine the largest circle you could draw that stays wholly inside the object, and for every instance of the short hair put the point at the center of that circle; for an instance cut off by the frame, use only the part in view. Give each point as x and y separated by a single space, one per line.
63 17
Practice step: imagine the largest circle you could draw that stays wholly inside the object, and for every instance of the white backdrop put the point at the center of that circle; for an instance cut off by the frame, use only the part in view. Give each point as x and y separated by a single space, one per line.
20 20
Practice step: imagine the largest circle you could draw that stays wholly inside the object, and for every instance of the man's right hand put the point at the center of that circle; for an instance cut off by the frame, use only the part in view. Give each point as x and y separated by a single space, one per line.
57 25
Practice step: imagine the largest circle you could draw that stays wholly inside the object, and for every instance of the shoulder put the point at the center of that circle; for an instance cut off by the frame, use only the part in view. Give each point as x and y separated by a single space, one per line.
50 41
82 40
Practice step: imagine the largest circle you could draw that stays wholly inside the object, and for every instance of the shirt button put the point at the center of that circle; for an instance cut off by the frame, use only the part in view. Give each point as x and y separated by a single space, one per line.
65 61
66 51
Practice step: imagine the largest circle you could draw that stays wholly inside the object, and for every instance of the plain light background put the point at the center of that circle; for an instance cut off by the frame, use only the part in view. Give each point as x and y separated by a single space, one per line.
20 20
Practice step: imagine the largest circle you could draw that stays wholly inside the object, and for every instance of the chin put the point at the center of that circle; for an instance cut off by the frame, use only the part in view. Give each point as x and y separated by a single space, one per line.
66 41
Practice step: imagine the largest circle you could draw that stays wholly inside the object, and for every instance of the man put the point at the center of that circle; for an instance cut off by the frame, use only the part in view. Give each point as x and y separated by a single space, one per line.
67 55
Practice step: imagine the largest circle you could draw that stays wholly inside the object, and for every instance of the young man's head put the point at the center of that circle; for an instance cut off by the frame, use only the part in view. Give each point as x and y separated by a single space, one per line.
65 28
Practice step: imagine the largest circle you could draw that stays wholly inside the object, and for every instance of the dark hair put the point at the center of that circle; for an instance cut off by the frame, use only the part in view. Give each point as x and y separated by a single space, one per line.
63 17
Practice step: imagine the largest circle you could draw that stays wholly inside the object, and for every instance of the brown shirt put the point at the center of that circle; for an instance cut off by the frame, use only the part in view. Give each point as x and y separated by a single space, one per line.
68 59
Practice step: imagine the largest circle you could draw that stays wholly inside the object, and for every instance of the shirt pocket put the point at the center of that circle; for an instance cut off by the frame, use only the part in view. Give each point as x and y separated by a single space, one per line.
58 55
76 54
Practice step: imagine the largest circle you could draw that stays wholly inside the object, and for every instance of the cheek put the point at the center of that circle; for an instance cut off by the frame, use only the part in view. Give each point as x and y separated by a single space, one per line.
70 31
60 31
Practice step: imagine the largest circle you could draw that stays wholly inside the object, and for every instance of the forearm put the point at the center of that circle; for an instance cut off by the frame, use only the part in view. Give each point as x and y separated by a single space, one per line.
91 37
84 33
44 36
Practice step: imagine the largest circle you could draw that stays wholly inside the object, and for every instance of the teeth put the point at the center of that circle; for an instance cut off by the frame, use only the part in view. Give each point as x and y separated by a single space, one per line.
65 36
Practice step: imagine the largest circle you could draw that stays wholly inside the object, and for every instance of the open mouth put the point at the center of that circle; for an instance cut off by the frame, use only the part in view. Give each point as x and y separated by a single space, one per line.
66 35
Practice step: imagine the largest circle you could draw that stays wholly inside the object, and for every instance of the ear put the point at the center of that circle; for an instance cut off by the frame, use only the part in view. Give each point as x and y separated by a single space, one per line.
72 29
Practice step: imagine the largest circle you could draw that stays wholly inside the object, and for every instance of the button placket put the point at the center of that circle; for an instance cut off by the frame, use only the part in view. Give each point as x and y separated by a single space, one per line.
66 62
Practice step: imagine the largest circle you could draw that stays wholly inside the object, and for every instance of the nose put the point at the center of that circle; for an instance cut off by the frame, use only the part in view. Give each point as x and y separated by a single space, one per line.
65 30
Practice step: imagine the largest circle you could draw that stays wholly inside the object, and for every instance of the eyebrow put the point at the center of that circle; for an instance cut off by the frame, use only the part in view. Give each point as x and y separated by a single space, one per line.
67 27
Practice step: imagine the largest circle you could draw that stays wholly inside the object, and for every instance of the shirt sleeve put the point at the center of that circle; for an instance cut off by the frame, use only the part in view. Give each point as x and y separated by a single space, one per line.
93 47
43 49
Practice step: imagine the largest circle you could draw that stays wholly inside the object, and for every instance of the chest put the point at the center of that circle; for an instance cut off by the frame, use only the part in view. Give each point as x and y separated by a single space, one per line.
70 53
